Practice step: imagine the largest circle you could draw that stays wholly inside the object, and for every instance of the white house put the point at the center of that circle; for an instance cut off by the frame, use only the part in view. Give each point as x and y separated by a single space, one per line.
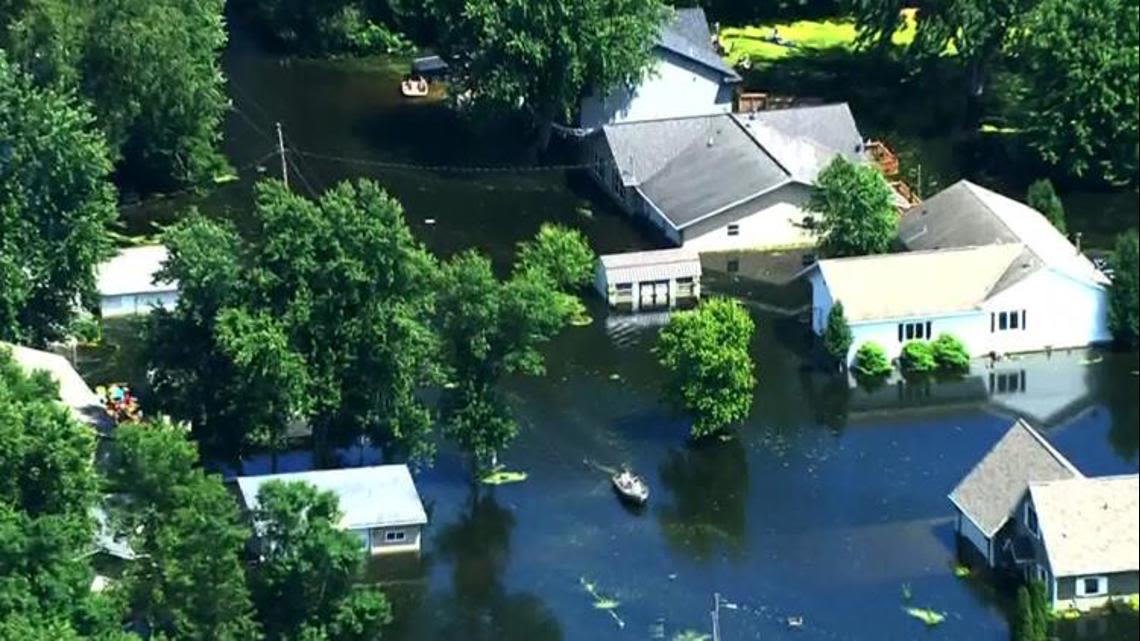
687 78
725 181
1025 508
127 282
379 503
636 281
987 269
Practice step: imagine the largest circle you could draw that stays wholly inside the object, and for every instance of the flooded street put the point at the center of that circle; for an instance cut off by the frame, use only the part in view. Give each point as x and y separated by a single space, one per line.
829 505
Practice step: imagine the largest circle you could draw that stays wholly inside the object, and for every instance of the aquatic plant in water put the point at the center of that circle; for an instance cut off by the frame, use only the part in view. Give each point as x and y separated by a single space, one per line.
500 476
926 615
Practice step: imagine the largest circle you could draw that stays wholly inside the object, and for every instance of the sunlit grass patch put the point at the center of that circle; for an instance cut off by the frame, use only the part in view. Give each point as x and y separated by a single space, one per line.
927 616
754 42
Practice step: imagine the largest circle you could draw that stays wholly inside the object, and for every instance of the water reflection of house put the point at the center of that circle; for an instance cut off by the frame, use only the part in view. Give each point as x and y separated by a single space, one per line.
127 283
1025 508
379 504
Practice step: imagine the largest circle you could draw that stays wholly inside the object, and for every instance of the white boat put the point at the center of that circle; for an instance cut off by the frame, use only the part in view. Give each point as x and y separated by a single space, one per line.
414 87
630 487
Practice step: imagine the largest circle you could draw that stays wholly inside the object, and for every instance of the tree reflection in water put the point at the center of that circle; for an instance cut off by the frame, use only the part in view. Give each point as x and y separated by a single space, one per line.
480 608
708 484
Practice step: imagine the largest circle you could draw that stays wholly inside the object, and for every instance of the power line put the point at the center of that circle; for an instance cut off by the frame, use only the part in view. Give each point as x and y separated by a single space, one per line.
189 190
383 164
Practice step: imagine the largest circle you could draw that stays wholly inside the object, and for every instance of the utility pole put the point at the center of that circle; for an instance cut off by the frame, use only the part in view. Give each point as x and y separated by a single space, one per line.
281 152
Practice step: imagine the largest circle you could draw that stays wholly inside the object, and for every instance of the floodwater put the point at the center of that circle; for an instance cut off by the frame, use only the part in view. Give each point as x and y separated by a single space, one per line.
829 504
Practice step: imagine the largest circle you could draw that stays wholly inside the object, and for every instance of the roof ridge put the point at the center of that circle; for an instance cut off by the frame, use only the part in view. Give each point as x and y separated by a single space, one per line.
919 252
1060 458
1090 479
735 118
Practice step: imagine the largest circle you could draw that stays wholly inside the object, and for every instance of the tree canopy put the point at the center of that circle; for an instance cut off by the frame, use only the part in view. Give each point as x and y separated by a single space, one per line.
837 335
1124 293
150 69
856 210
56 203
325 26
320 315
1042 197
711 373
545 55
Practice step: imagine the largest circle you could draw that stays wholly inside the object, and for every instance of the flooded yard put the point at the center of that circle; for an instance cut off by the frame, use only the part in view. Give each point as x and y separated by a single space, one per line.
828 506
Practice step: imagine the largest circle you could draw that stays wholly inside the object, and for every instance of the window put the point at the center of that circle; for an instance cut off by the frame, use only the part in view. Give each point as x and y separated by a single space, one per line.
1007 321
624 288
1031 520
734 230
914 331
1092 586
1007 382
1042 574
1003 321
732 266
394 536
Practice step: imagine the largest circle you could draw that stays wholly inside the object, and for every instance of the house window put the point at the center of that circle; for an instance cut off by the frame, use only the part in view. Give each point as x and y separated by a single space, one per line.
1007 321
1007 382
1031 521
732 266
734 230
914 331
624 288
1042 574
1092 586
394 536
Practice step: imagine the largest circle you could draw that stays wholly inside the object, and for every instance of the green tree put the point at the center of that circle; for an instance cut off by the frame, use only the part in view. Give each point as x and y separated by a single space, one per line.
152 70
308 568
325 26
950 354
1023 624
1044 199
711 373
837 335
563 254
321 314
188 582
1076 101
491 328
1123 295
546 55
871 361
56 203
917 357
856 210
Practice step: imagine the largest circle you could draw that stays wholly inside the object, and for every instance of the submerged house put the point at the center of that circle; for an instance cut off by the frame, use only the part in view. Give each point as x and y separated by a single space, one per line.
724 181
1025 508
127 283
687 78
987 269
379 503
637 281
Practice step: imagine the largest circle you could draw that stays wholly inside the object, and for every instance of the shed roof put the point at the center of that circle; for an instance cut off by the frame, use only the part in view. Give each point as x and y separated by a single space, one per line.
989 494
132 271
696 166
1089 525
927 283
660 264
374 496
687 35
966 215
84 403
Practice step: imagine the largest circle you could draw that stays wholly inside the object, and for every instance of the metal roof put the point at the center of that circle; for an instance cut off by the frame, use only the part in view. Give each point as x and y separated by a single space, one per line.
132 271
661 264
966 214
1089 525
374 496
989 494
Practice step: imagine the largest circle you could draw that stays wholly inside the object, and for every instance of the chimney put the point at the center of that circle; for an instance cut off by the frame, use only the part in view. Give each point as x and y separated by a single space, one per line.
1077 241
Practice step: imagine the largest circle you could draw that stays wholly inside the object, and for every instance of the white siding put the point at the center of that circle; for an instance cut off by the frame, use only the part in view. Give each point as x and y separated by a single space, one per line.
967 327
127 304
775 223
387 540
967 530
820 302
1059 312
673 88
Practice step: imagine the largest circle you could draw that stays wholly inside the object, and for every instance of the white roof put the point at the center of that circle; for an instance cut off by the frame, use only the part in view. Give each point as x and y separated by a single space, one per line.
910 284
132 272
1089 525
659 264
85 404
375 496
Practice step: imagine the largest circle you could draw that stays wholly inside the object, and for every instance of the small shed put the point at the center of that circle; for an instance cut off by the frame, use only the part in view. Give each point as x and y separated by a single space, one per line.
380 503
127 282
430 67
657 279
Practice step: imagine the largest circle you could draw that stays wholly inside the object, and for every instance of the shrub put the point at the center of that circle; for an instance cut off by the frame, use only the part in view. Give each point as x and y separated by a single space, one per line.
950 354
1123 296
871 360
1044 199
917 357
837 335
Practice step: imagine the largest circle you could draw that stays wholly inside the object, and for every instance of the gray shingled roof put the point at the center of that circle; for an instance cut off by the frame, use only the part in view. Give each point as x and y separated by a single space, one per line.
85 404
376 496
967 215
991 491
1089 526
688 36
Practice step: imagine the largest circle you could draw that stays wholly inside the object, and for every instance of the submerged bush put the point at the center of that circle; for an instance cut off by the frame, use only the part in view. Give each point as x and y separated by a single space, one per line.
871 360
917 357
950 354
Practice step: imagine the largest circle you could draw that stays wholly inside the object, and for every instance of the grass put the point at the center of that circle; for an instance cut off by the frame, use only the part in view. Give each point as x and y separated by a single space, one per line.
810 36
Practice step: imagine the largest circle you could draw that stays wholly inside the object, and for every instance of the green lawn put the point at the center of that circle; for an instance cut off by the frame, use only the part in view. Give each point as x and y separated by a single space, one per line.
809 36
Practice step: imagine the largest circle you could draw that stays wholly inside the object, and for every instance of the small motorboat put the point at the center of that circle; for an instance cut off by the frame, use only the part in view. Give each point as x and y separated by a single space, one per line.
414 87
630 487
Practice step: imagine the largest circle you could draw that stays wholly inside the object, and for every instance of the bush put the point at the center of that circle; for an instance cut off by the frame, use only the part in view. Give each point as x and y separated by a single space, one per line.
917 357
1042 197
837 335
1123 295
871 360
950 354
